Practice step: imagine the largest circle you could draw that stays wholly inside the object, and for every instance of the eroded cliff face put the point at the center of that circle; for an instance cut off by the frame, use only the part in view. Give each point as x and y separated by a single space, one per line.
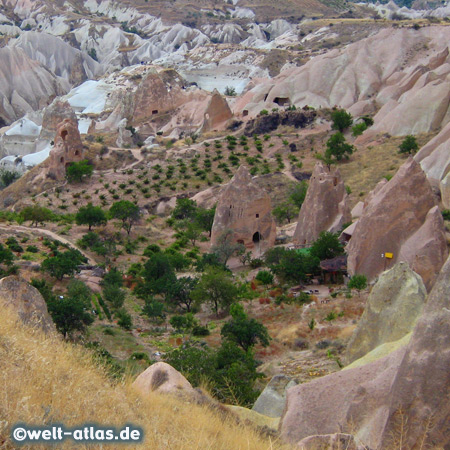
400 217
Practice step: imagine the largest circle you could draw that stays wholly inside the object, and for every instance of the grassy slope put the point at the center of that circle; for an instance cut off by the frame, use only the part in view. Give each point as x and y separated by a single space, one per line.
47 380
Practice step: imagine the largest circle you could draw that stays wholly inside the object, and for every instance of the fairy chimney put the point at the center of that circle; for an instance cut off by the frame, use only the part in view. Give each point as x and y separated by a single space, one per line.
245 209
68 148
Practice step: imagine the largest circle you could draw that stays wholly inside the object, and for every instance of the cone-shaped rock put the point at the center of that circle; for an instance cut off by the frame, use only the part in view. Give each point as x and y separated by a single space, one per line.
245 209
325 207
399 219
217 112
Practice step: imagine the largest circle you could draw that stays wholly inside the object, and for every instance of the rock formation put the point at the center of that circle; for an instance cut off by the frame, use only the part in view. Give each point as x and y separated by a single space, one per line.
217 112
245 209
68 148
400 218
54 114
392 309
445 191
325 207
27 301
272 400
162 377
370 401
338 441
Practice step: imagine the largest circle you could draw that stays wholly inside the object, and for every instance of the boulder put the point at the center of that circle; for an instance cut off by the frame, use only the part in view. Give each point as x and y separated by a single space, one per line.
244 209
27 301
162 377
217 112
393 307
125 136
338 441
394 213
254 418
445 191
325 207
401 396
272 400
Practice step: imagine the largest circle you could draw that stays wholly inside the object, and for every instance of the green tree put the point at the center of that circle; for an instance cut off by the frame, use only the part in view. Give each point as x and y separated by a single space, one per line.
154 310
185 208
114 295
63 264
124 319
298 193
327 246
230 91
341 120
90 215
6 258
77 172
409 145
36 214
127 212
359 129
179 293
113 278
158 275
8 177
295 267
225 246
358 282
205 218
216 288
285 211
337 148
243 331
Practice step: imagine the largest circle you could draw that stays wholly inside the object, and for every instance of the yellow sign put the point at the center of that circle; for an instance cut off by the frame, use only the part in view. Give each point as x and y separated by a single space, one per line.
388 255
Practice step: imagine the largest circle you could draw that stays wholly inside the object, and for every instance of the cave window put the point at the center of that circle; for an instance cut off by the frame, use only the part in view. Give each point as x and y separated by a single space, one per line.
61 160
256 237
245 112
155 111
282 101
77 153
335 181
257 216
240 241
64 134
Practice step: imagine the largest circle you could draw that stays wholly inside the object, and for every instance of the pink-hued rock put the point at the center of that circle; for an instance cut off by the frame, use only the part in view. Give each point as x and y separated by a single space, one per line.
27 301
325 207
54 114
217 112
394 213
338 441
162 377
68 148
409 386
245 209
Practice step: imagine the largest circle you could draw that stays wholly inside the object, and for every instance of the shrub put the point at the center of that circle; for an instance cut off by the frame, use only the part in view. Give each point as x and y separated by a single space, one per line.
265 277
409 145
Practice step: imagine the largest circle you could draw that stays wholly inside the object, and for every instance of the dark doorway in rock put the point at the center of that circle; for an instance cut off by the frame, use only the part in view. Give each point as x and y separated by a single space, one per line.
155 111
256 237
282 101
64 134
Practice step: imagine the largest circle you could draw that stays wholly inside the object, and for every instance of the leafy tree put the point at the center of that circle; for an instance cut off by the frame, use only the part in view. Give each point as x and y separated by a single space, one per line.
125 320
114 295
327 246
209 260
358 282
77 172
8 177
285 211
264 276
36 214
154 310
183 323
409 145
337 148
230 91
179 293
341 120
359 129
184 209
295 266
205 218
6 258
158 275
274 255
80 292
225 247
63 263
215 288
243 331
113 278
127 212
298 193
90 215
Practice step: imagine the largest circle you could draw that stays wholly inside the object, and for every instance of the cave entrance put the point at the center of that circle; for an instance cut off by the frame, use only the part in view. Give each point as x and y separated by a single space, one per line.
64 134
256 237
282 101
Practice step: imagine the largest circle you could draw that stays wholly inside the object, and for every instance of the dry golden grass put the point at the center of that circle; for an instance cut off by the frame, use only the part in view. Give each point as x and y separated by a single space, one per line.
45 380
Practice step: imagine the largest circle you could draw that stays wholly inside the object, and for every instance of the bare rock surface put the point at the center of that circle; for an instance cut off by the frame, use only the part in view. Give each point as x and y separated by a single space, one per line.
408 386
217 112
54 114
272 399
162 377
393 307
245 209
27 301
394 213
338 441
325 207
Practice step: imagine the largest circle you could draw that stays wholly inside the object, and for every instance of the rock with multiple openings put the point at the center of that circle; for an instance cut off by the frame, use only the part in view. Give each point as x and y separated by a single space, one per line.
400 218
68 148
54 114
27 301
245 209
393 307
325 207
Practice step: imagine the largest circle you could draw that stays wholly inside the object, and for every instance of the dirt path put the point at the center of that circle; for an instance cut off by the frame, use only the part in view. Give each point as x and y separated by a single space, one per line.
50 234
